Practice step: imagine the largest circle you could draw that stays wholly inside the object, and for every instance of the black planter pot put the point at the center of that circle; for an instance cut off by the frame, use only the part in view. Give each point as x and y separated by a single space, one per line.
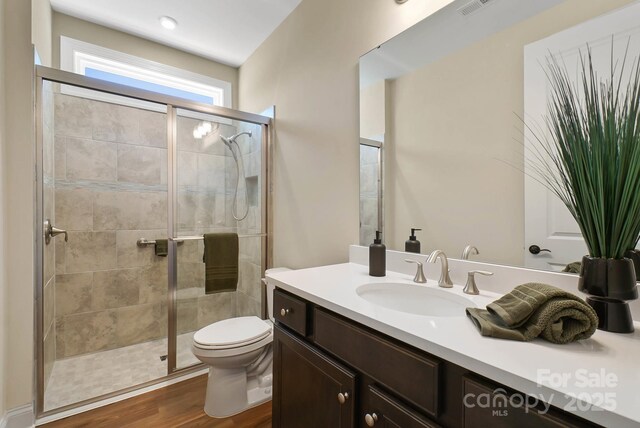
609 282
634 255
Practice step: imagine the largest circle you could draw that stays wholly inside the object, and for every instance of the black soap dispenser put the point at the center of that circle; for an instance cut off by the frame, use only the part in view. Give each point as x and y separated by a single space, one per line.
377 257
412 245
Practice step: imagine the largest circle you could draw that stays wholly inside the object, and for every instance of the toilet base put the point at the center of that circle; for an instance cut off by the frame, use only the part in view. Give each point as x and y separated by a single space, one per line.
229 393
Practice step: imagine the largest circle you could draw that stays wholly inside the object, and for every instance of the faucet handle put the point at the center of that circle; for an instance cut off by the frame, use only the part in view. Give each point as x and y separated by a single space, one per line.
419 278
471 287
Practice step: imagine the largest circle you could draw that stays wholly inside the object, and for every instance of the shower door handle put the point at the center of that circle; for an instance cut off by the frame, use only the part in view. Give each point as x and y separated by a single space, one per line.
50 231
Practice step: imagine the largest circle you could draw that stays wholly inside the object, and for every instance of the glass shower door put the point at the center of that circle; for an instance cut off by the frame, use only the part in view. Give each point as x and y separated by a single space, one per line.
104 192
218 190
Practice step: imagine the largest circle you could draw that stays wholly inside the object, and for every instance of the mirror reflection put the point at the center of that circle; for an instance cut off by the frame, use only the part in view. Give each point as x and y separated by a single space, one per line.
450 103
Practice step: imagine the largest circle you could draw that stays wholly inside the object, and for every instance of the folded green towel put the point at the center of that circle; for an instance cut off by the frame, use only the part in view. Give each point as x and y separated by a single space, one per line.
533 310
162 247
221 262
573 267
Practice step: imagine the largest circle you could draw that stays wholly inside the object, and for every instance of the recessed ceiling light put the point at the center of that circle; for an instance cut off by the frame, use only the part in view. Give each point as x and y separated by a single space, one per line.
168 22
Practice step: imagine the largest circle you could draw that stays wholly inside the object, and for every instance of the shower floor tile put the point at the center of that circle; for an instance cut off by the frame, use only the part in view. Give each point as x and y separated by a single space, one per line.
80 378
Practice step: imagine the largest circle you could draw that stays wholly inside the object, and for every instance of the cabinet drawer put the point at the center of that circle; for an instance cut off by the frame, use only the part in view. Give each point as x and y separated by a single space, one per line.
405 372
386 412
486 404
290 311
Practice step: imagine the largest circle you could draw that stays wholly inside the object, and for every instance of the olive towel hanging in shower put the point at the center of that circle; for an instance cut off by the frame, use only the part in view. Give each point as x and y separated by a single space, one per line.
221 262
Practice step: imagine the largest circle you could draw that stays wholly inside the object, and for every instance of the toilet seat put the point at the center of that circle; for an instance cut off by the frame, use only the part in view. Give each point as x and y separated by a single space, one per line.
232 333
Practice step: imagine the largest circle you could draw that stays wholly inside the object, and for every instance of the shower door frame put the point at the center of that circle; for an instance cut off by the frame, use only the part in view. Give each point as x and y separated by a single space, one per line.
173 104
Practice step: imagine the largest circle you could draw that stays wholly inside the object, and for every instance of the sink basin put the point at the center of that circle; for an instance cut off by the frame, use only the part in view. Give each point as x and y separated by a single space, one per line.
415 299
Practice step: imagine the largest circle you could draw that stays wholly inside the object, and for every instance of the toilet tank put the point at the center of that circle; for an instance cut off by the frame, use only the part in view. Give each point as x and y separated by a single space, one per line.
270 288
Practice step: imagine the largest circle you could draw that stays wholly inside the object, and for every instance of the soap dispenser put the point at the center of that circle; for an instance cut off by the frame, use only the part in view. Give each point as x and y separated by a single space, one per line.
412 245
377 257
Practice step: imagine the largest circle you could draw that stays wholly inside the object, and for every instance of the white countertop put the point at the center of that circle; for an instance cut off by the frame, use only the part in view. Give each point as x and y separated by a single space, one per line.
532 367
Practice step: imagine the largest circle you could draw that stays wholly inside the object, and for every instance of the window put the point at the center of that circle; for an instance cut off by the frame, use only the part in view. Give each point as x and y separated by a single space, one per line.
117 67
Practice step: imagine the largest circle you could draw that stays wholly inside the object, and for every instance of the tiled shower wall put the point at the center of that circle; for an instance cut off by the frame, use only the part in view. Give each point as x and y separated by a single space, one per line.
49 279
111 190
368 193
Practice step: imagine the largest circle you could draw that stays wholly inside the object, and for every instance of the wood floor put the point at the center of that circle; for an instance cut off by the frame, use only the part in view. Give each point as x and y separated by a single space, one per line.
177 405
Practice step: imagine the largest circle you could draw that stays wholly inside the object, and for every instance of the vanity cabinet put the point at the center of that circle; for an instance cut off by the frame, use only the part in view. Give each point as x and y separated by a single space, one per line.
332 372
309 389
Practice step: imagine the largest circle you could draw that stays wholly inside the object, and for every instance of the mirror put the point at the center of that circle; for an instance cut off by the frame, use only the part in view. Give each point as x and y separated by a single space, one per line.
450 102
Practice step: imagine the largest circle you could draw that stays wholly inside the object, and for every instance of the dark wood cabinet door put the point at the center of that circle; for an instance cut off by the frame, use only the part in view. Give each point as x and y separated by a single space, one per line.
387 412
307 387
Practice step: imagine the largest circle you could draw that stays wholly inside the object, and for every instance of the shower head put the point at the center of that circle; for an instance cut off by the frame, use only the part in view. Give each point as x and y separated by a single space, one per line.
229 140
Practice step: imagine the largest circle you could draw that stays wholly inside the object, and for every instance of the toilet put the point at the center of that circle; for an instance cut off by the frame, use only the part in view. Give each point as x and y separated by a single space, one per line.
239 355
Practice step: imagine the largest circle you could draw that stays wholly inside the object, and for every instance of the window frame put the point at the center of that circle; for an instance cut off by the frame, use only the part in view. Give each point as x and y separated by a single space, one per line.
76 56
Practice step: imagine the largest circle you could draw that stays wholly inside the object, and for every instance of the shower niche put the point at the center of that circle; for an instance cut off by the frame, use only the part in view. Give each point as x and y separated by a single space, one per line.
136 179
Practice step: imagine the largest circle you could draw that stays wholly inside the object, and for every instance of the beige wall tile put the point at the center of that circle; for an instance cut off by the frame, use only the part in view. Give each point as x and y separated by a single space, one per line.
73 293
143 165
187 172
140 323
247 306
130 210
86 332
128 252
154 283
211 172
60 157
215 307
191 275
153 128
49 312
116 288
60 255
250 280
74 209
187 315
49 354
91 160
115 123
90 251
73 116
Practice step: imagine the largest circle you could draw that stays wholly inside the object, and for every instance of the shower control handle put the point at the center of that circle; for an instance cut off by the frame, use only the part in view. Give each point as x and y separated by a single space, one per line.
343 397
284 312
50 231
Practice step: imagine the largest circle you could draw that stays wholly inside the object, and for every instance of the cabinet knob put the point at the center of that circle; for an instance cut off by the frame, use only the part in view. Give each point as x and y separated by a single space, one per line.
284 311
343 397
371 419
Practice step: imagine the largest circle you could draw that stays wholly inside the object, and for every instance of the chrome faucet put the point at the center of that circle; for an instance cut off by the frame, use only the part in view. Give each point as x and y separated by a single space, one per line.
468 251
471 287
419 278
445 280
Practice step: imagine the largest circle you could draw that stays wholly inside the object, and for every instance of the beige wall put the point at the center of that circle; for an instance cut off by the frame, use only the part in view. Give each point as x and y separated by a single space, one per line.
3 280
19 208
64 25
372 110
308 69
41 29
454 125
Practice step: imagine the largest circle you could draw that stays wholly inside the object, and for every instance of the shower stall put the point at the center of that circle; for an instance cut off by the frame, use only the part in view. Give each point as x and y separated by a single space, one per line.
128 181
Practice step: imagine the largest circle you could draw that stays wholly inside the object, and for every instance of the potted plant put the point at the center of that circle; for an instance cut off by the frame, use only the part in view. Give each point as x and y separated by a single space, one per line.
591 160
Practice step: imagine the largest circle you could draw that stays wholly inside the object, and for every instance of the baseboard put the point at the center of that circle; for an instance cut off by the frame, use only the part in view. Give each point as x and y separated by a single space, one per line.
20 417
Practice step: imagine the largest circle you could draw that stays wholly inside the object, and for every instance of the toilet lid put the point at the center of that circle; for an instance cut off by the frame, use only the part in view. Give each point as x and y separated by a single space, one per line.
233 332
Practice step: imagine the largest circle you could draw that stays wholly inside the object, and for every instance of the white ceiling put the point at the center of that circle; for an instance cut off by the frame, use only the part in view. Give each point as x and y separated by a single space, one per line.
227 31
